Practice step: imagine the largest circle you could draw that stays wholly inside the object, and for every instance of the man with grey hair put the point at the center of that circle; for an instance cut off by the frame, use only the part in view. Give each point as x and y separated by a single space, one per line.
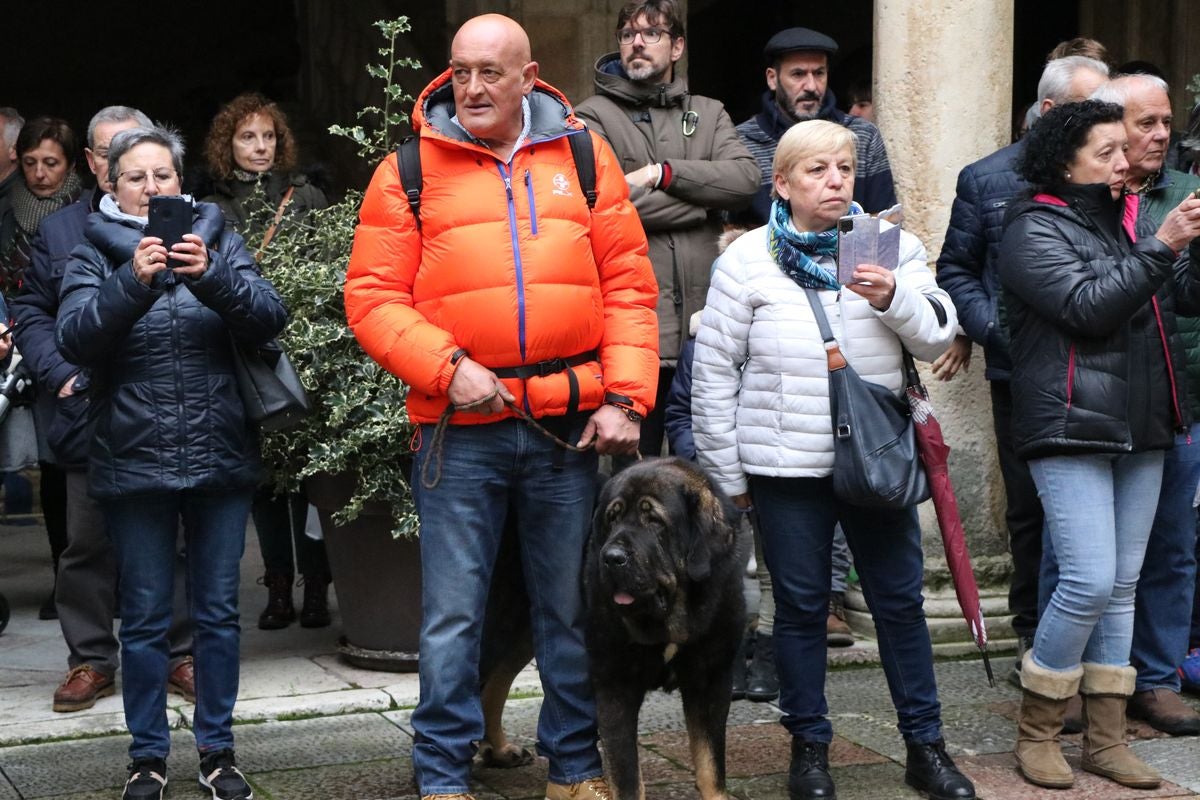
1163 608
86 589
966 269
10 126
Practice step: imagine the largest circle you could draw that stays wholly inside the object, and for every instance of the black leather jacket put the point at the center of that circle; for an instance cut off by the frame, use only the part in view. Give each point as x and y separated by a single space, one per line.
1098 366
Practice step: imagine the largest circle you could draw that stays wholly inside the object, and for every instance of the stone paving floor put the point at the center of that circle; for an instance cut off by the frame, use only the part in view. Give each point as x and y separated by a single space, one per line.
312 728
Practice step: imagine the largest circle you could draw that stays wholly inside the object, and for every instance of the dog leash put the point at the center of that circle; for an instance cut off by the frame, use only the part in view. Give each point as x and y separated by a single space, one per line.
439 438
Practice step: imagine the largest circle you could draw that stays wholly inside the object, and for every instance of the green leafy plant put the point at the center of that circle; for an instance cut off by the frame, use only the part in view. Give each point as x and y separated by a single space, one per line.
1194 87
359 426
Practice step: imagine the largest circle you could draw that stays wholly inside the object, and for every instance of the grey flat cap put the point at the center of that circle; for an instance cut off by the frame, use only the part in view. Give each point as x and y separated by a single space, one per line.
790 40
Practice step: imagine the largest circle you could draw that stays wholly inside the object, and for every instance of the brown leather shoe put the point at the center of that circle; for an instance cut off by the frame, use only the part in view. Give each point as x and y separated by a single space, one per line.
1164 711
182 680
82 687
837 632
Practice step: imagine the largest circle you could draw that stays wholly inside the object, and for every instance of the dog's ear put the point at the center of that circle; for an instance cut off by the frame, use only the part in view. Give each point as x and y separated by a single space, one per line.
709 526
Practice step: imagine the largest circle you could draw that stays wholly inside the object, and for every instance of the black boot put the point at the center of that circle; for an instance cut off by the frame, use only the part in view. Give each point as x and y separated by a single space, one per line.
279 612
808 774
762 685
315 611
930 769
739 667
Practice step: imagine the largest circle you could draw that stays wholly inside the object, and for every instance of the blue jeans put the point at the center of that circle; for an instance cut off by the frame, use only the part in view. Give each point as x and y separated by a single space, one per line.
1099 510
144 530
1163 609
486 470
796 518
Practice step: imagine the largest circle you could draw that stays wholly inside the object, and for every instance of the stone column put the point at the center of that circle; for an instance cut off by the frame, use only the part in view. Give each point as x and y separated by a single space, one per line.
943 85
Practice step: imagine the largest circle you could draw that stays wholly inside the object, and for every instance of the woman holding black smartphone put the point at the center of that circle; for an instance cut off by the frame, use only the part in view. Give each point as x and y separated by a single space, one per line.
172 442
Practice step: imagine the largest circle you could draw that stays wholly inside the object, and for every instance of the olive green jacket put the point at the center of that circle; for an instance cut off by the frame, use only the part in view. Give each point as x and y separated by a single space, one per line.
709 169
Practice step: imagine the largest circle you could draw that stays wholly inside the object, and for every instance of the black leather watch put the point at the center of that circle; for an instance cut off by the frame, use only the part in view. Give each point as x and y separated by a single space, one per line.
627 411
624 403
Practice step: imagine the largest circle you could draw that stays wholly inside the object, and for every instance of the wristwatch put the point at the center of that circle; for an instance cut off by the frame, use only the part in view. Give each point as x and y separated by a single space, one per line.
623 403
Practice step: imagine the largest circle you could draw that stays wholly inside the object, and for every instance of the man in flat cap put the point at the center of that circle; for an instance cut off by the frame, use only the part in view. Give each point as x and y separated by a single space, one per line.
798 89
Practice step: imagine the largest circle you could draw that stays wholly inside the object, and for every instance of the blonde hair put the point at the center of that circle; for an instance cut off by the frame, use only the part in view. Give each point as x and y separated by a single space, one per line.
808 138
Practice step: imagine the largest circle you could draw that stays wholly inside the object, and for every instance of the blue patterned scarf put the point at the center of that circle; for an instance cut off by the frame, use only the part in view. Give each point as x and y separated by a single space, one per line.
796 252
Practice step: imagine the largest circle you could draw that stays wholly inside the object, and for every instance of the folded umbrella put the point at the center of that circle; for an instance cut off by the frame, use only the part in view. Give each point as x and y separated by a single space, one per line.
935 453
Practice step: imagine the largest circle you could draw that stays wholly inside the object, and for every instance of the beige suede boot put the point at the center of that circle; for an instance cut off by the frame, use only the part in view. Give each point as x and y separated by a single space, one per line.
1105 690
1044 699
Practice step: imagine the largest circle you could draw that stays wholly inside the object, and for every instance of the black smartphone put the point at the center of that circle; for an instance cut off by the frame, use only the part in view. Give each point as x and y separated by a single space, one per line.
170 218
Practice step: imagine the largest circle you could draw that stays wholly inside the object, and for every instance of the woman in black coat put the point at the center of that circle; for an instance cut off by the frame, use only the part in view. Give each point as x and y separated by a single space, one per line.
172 442
252 154
1097 387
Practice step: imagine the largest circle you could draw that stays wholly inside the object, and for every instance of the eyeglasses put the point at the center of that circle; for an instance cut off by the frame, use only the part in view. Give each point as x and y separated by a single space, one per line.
136 179
649 35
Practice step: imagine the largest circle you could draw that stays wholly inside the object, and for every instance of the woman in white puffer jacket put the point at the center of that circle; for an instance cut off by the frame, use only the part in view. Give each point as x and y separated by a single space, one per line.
760 408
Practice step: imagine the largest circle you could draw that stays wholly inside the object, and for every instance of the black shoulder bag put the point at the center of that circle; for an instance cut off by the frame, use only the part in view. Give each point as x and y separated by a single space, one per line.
875 458
270 388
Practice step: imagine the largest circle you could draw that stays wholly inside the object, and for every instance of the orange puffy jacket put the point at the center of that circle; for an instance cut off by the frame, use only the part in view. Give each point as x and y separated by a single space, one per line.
509 265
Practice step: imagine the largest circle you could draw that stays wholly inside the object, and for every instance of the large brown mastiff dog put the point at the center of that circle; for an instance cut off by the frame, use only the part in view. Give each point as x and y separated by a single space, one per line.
663 587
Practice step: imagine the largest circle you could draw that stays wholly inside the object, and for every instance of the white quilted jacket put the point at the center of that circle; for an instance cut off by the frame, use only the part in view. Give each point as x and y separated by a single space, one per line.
760 385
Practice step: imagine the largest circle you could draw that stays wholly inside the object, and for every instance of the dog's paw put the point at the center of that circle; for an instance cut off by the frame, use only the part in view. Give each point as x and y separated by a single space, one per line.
506 757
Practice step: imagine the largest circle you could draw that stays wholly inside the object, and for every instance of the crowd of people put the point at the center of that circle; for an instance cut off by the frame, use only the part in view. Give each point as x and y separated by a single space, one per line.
646 277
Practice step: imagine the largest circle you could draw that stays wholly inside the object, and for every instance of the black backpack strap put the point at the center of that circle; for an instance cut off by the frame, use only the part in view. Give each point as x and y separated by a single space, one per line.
585 164
408 162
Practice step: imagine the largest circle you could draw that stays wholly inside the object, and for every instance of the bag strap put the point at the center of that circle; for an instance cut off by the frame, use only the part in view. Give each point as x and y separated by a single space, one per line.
833 353
585 165
270 234
408 162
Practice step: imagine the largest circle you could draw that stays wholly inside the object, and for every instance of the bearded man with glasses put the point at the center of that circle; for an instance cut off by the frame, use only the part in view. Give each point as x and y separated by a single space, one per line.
684 165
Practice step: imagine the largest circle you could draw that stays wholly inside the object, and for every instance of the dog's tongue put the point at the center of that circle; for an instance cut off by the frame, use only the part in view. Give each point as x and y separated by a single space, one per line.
623 598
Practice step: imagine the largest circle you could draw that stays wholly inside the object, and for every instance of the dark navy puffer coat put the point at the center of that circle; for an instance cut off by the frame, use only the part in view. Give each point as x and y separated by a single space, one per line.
966 267
167 412
1092 320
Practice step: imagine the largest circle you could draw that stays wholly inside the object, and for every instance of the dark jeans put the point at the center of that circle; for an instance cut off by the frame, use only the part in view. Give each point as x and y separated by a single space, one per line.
279 520
796 518
86 592
1023 515
1163 605
1194 639
144 530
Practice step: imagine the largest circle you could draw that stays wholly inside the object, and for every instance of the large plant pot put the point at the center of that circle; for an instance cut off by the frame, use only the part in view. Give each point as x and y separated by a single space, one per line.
377 579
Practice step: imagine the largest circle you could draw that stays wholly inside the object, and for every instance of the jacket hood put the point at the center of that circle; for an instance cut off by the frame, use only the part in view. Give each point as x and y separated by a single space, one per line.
117 239
550 113
612 80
